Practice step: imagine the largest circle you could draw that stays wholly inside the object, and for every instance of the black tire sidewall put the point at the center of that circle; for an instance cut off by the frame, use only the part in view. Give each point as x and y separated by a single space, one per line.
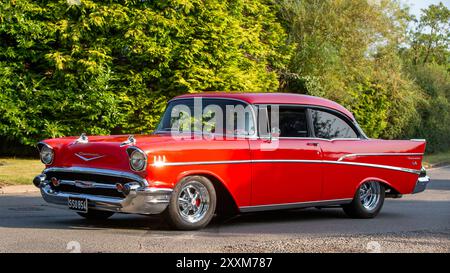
172 213
374 212
357 210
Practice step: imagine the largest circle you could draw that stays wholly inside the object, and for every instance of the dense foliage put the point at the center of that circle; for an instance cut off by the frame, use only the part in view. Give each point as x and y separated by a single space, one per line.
102 67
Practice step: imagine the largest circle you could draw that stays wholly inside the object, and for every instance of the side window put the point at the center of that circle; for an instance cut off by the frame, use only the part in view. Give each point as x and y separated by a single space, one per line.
292 121
327 125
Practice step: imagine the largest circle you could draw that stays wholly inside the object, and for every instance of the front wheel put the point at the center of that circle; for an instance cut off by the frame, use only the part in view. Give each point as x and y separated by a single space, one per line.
367 202
96 214
192 203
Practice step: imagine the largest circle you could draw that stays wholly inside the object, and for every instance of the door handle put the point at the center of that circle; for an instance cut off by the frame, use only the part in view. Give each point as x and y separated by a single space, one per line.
312 144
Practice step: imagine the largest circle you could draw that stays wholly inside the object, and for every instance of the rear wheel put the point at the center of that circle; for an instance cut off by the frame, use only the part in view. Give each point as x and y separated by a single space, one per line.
192 203
367 202
96 214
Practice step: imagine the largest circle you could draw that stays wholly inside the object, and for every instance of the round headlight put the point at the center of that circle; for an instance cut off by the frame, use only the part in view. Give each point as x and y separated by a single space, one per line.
138 160
47 155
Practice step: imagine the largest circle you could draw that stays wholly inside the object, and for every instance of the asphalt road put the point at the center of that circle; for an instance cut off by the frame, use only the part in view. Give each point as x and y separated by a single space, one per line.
415 223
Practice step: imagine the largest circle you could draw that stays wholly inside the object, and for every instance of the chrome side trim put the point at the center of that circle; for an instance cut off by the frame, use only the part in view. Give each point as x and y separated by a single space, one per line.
394 168
288 161
85 170
295 205
379 154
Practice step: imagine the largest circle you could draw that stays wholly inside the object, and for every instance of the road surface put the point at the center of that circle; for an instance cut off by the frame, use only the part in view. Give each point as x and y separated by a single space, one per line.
415 223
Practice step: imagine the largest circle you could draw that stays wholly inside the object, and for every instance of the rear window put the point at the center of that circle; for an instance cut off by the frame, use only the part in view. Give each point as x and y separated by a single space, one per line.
327 125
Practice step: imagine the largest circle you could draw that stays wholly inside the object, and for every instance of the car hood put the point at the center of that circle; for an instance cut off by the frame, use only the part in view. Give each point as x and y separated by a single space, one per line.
104 152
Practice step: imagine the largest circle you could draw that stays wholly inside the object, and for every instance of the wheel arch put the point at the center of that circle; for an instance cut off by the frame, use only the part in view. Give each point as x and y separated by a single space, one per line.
387 186
226 202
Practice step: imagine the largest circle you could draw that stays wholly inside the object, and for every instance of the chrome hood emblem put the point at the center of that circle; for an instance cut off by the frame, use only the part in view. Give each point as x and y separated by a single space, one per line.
88 157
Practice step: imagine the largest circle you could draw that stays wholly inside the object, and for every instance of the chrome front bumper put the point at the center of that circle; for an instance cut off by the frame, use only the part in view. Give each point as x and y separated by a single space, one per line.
139 200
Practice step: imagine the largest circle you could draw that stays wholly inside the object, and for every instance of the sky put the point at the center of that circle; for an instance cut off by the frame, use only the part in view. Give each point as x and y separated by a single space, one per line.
417 5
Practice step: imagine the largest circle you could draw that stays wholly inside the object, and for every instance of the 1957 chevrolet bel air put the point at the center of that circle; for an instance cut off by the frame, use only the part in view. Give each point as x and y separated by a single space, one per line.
232 152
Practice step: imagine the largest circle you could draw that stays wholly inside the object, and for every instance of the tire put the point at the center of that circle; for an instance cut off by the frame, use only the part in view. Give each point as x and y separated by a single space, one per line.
96 214
198 205
366 203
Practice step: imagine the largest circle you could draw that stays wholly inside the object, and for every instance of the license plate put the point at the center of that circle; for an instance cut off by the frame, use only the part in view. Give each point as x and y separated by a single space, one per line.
78 204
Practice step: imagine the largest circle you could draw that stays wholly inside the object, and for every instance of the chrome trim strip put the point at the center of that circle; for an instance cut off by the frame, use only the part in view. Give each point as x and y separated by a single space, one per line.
295 205
324 139
106 172
288 161
378 154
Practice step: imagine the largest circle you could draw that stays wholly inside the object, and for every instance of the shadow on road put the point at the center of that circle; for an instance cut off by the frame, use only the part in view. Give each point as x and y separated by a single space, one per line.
30 211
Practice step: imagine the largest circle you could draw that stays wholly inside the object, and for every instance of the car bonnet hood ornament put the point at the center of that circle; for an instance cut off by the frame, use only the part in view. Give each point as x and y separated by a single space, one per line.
130 141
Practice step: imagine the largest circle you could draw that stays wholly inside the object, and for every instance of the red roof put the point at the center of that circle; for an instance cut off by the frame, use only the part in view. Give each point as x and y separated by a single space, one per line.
275 98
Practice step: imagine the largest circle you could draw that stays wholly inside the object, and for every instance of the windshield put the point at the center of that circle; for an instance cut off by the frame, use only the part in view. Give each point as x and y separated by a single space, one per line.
210 116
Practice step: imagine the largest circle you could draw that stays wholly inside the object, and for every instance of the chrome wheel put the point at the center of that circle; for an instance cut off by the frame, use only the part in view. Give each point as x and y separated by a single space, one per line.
369 195
193 202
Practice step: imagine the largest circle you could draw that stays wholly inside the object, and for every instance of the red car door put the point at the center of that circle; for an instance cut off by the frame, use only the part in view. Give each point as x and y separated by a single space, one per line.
336 136
286 170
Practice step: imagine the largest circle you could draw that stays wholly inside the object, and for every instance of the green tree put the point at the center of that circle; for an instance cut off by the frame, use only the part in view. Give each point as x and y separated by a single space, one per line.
347 51
429 38
100 67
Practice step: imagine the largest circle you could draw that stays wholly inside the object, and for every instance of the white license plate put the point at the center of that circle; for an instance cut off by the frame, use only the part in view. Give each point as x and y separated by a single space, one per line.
78 204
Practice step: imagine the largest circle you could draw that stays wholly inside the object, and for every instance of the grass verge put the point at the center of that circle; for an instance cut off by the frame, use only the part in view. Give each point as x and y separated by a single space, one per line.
18 171
436 159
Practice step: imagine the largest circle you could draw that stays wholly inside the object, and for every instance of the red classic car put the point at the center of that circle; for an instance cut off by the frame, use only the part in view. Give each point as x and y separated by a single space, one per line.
239 152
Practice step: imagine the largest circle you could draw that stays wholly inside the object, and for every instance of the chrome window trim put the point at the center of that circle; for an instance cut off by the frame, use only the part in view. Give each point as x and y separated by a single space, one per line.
309 107
319 138
106 172
255 135
289 161
378 154
349 121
